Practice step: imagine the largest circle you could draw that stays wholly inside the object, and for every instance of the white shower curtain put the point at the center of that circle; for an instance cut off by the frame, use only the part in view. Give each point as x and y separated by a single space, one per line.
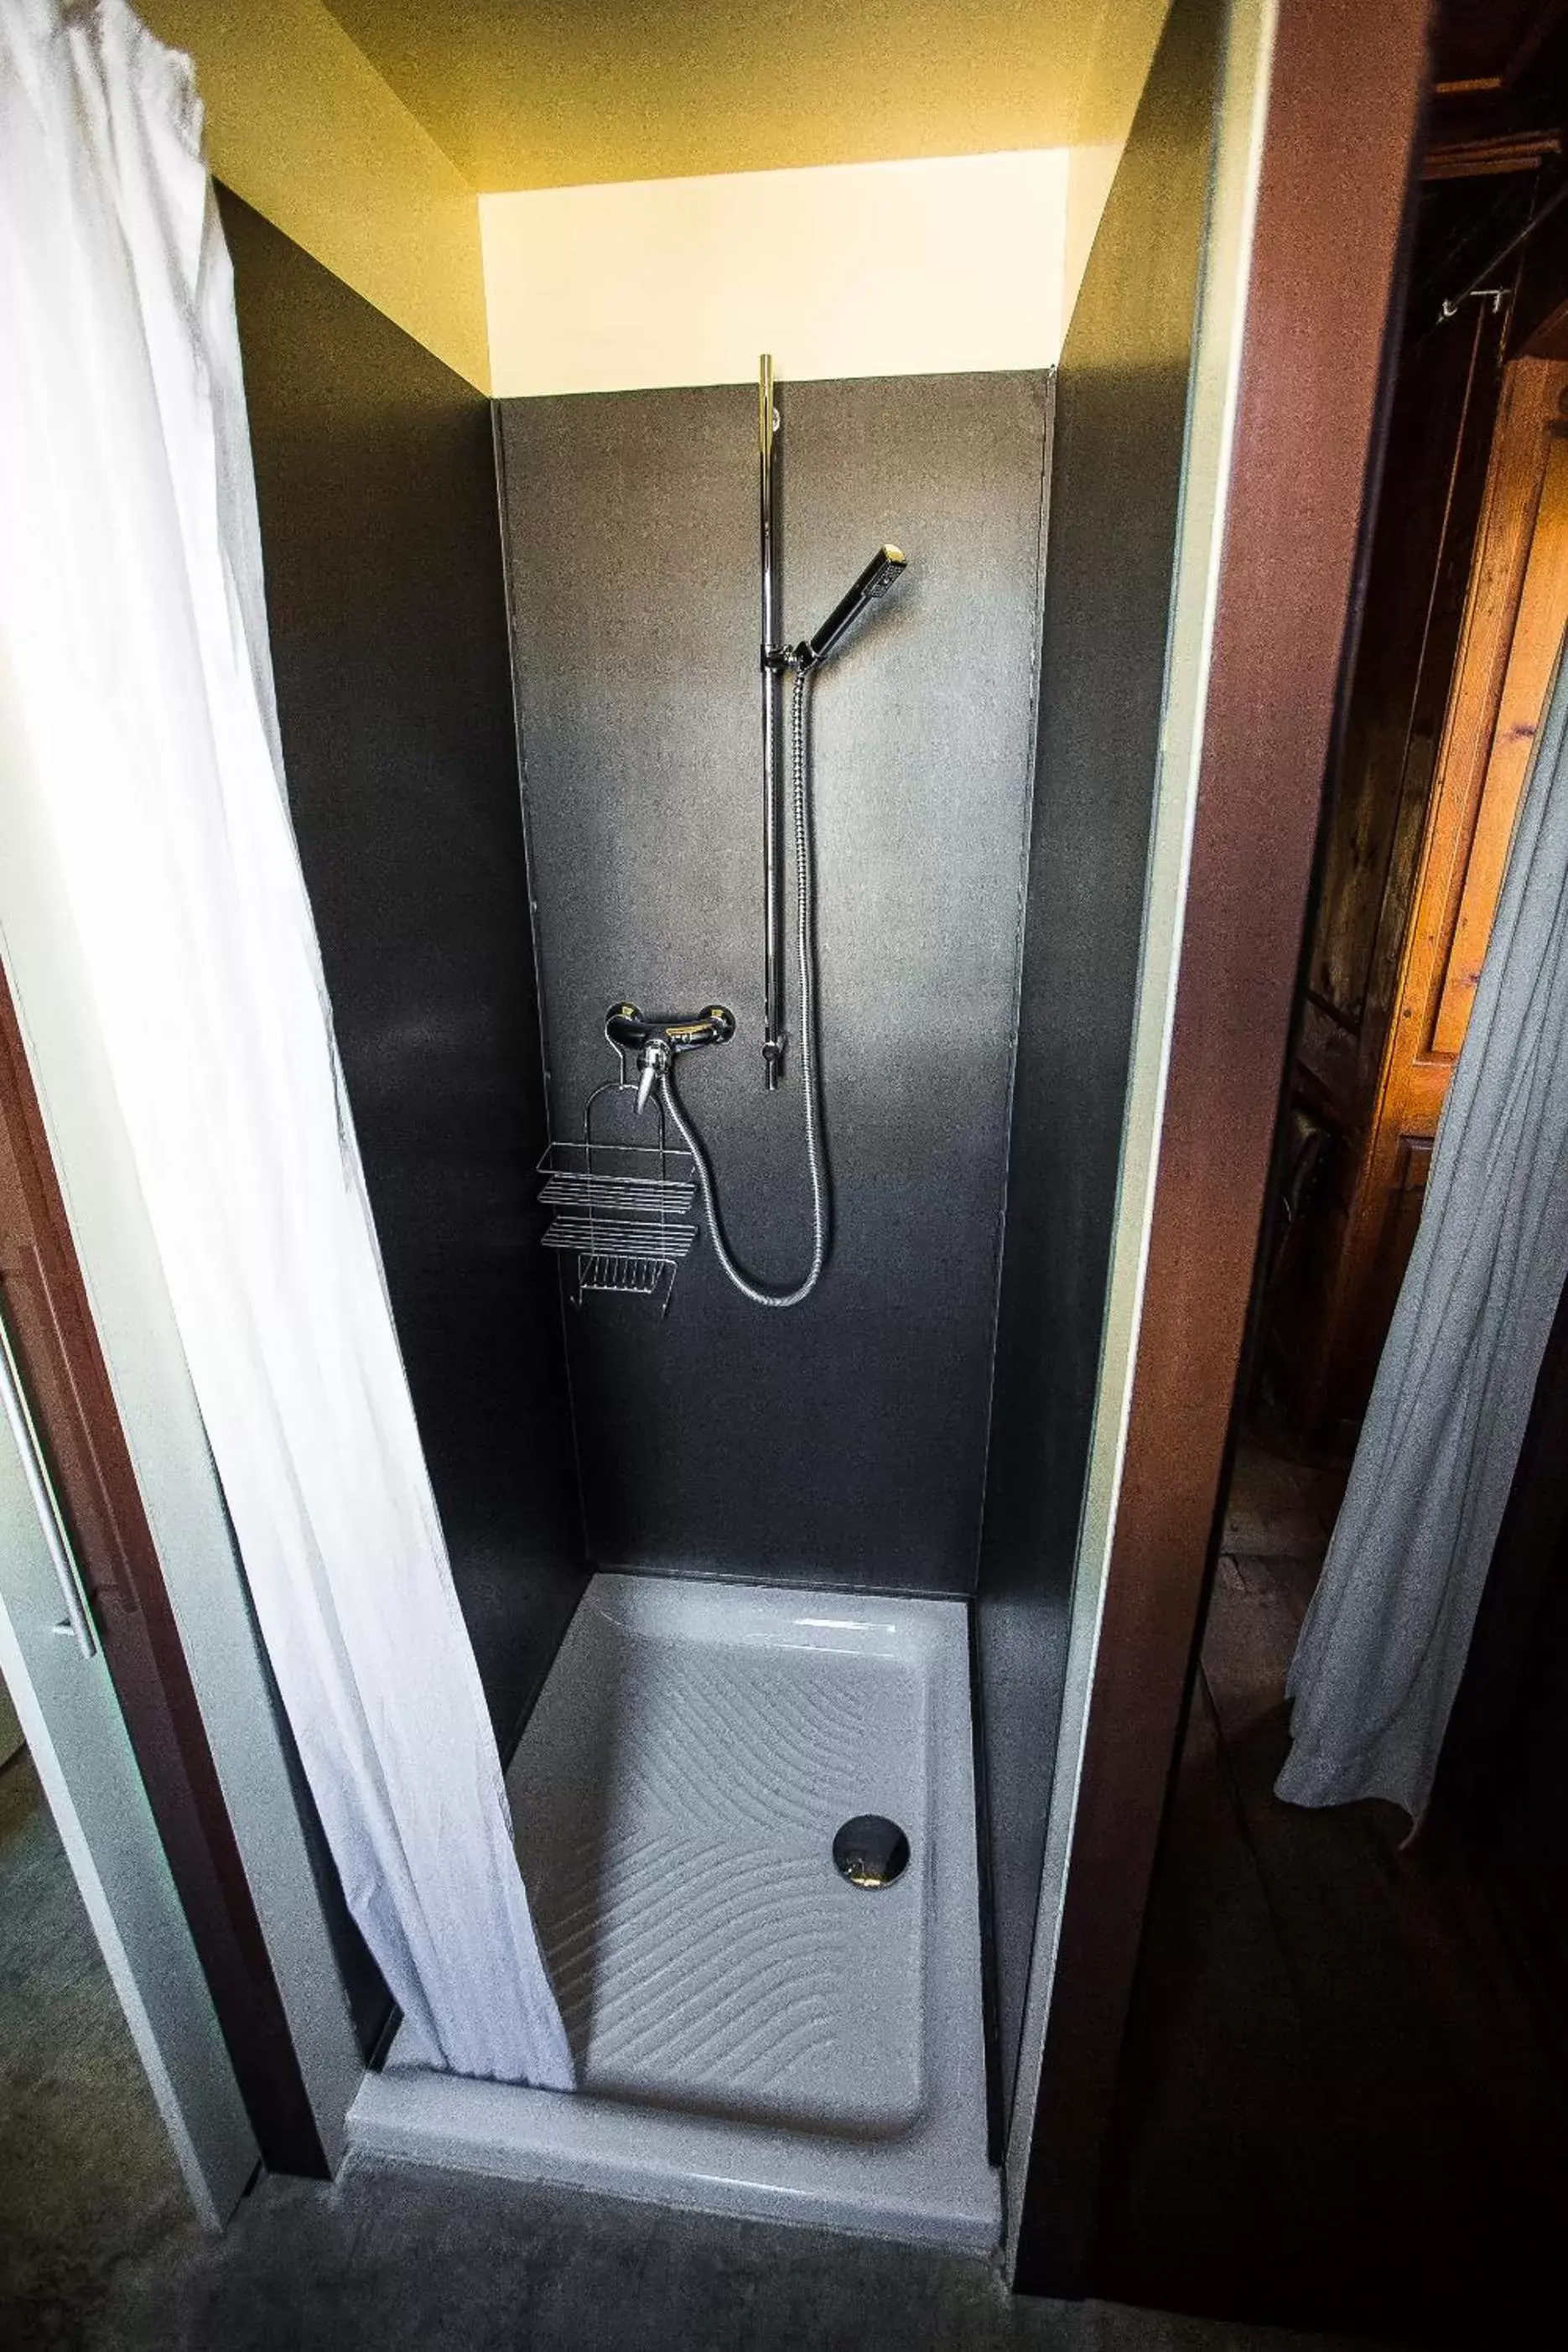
132 633
1385 1641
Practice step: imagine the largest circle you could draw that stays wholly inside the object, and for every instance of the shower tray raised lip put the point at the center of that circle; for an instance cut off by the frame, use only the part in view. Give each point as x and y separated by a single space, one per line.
929 2182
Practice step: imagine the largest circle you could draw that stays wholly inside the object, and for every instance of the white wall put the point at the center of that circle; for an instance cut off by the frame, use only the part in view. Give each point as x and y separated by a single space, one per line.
904 268
1090 170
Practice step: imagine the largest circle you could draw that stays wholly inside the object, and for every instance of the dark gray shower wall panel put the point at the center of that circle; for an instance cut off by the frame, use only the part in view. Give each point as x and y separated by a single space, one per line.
375 479
1116 483
842 1442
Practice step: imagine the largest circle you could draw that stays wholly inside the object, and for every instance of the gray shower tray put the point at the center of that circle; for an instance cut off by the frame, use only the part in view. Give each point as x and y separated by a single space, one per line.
754 2033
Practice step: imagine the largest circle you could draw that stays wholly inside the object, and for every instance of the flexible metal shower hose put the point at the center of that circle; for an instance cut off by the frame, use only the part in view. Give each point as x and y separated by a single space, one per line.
800 775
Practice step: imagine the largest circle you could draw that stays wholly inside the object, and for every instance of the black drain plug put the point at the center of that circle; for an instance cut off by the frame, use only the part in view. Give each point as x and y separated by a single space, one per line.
872 1850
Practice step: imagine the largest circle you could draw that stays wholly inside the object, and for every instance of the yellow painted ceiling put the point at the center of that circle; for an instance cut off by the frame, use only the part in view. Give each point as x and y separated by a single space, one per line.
551 93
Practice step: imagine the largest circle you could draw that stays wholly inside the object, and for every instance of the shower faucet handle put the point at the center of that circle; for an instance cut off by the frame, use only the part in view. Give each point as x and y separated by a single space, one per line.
628 1030
657 1038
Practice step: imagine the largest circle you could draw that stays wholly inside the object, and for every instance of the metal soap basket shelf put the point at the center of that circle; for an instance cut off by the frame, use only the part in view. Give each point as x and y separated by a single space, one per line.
626 1209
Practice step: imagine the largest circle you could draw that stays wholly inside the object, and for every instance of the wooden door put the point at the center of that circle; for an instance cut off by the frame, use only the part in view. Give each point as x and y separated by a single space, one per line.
1515 615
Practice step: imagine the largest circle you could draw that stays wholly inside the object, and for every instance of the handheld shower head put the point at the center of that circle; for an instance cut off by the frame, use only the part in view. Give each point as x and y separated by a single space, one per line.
879 576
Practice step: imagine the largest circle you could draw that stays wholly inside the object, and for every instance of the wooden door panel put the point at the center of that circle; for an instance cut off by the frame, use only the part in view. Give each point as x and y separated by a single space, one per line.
1422 1095
1532 657
1516 607
1403 1215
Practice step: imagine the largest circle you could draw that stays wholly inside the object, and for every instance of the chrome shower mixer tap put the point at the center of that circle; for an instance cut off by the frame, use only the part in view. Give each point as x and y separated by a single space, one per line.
657 1038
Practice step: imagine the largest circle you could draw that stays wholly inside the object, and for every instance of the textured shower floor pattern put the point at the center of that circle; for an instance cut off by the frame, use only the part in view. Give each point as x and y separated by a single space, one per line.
752 2033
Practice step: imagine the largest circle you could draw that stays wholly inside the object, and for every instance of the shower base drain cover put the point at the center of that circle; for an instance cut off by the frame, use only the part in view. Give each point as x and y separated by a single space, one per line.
872 1850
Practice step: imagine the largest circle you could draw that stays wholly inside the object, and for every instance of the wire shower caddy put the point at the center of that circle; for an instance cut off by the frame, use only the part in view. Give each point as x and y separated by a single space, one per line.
625 1210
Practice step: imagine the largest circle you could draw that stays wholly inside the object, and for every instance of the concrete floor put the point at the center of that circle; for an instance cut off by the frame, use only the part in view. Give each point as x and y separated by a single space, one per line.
97 2249
427 2262
87 2176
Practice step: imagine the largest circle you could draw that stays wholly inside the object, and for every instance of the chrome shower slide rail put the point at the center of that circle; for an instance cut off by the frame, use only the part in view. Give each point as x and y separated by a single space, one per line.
775 659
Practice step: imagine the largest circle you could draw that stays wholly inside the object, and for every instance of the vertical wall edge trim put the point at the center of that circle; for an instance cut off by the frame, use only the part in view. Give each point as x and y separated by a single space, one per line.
529 867
1342 91
1237 157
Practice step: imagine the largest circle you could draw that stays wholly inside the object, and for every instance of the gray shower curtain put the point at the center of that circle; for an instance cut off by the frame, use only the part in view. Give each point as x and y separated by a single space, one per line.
1385 1641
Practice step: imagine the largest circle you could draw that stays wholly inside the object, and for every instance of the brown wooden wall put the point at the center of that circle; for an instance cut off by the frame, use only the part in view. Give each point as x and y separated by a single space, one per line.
1402 911
1375 1068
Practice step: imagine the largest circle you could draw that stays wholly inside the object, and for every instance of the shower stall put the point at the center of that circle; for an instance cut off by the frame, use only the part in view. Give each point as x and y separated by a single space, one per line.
772 1608
783 1511
753 1324
751 1304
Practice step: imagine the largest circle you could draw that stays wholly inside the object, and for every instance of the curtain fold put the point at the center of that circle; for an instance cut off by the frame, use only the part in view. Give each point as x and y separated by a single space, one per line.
1384 1644
132 626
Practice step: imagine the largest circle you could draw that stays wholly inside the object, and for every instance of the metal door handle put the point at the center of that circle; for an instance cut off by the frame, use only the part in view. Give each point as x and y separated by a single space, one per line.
45 1502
